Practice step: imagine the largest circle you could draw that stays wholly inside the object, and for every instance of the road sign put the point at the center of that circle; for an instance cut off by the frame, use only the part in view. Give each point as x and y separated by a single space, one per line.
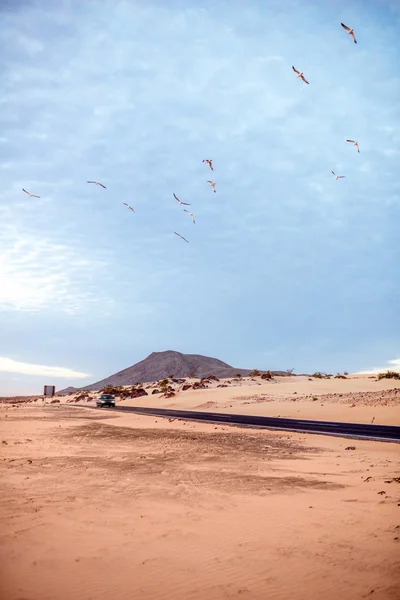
49 390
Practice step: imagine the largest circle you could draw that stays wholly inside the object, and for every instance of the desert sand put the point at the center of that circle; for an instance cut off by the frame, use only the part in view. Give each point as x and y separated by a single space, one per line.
97 505
357 399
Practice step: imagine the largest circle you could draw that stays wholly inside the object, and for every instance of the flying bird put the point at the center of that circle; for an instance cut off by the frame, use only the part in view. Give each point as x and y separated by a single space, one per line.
209 162
190 214
180 201
29 194
300 75
355 144
212 185
130 207
349 31
97 183
181 236
338 176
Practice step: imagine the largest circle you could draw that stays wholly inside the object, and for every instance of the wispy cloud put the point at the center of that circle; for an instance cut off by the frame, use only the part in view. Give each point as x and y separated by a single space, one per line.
37 272
391 365
8 365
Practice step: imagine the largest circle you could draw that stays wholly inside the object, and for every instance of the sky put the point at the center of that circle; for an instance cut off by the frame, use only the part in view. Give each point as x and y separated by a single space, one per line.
286 267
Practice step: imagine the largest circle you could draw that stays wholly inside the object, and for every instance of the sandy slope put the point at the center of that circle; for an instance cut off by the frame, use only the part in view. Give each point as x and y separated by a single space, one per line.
98 506
356 399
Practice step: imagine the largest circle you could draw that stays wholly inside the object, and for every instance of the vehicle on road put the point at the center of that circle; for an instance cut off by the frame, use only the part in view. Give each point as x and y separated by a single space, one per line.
104 400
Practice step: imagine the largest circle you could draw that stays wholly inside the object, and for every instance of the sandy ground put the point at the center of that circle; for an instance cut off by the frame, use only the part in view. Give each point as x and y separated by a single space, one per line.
99 506
357 399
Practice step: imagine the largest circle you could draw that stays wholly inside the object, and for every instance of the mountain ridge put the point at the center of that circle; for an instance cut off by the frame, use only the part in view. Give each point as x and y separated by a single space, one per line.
159 365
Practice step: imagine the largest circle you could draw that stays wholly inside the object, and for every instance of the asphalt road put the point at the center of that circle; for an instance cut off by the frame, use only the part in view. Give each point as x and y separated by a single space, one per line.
389 433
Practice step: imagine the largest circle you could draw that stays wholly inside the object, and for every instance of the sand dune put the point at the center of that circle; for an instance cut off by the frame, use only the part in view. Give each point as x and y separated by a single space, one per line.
99 506
357 399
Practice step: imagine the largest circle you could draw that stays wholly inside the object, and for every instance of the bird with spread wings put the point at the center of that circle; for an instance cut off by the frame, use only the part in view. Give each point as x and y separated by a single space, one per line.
130 207
97 183
29 194
349 31
181 236
212 184
209 163
190 214
300 75
338 176
180 201
355 144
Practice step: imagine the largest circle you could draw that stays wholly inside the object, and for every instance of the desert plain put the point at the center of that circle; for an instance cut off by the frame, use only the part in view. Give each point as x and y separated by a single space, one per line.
101 505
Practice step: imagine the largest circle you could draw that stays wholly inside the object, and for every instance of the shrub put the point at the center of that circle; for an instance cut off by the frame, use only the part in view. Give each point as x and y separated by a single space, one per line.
339 376
317 375
314 398
238 376
266 375
114 390
254 373
289 371
389 375
345 373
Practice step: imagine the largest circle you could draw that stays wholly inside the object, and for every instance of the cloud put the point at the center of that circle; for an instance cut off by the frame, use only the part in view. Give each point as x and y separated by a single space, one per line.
392 365
37 272
8 365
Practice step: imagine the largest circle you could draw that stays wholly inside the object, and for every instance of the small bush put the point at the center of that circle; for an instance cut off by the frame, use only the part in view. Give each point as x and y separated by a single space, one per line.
238 376
317 375
389 375
266 375
314 398
289 372
345 373
339 376
254 373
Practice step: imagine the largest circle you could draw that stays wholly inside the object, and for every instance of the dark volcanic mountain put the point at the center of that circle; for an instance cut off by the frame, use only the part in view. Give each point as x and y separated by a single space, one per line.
159 365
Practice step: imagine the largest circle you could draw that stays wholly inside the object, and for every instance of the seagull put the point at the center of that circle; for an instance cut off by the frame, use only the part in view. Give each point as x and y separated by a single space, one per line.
29 194
355 144
300 75
190 214
349 31
97 183
130 207
180 202
209 162
338 176
181 236
212 185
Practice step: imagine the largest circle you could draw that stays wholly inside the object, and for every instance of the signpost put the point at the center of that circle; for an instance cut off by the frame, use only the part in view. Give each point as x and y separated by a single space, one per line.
48 392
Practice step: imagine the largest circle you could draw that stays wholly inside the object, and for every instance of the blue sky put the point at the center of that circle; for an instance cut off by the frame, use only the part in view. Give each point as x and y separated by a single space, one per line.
285 266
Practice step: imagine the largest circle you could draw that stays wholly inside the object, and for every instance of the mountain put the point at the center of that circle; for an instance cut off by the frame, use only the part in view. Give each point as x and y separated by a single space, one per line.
66 391
159 365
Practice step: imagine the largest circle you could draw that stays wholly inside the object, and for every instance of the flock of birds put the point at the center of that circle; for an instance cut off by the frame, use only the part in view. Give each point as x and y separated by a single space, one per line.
209 162
300 75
